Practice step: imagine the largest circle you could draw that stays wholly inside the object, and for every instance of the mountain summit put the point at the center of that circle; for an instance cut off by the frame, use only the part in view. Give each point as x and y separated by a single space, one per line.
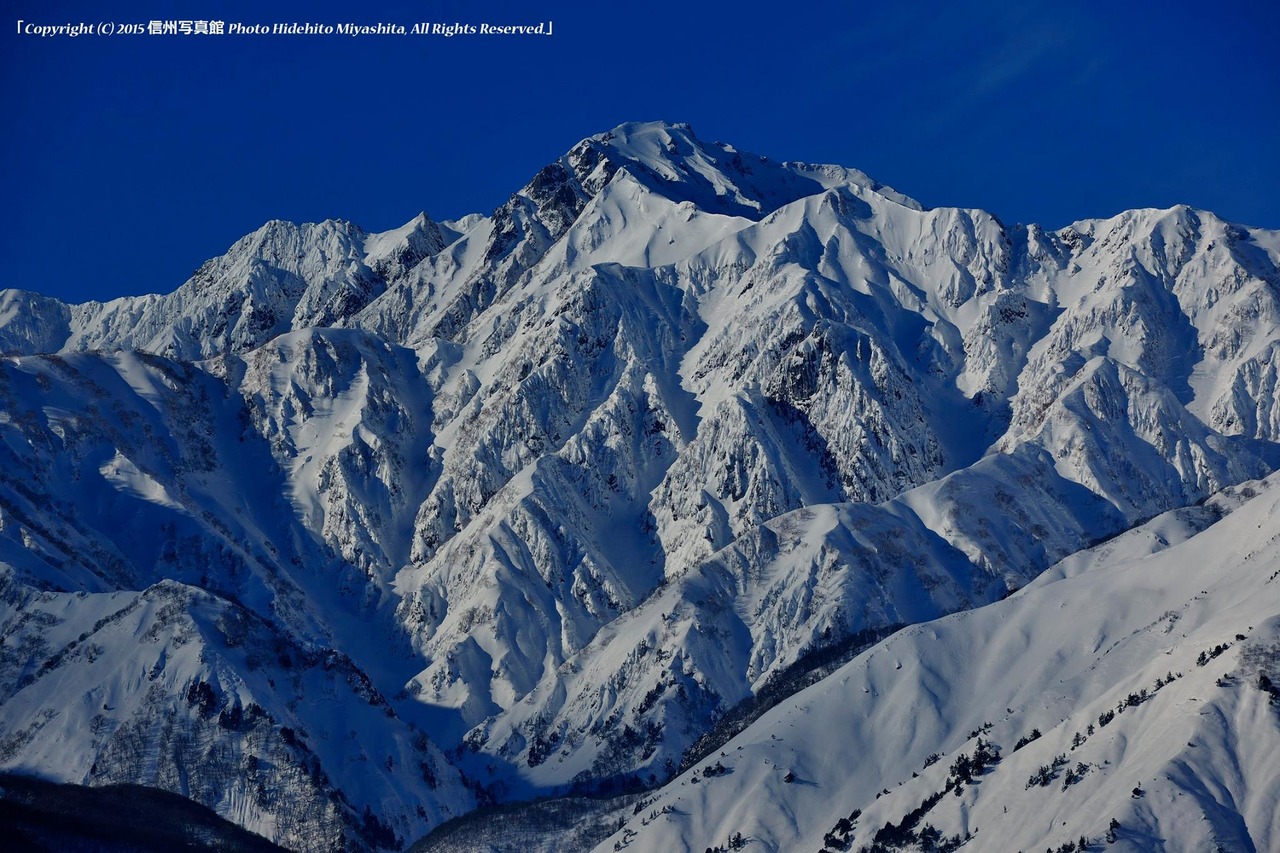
353 532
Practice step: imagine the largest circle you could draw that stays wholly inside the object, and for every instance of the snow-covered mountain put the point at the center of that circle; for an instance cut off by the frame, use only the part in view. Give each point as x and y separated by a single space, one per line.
177 689
282 277
1129 693
562 486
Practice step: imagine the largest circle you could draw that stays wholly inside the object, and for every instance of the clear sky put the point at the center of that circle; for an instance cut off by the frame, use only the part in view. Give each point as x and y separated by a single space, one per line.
125 162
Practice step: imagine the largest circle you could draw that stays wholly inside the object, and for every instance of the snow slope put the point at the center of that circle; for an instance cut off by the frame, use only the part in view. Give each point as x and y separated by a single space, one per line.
177 689
1138 662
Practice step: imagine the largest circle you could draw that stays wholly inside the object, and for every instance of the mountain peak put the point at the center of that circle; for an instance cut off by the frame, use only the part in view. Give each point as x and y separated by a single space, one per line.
671 160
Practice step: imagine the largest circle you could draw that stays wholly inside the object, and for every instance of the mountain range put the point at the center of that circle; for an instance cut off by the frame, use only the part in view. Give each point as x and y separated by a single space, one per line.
681 451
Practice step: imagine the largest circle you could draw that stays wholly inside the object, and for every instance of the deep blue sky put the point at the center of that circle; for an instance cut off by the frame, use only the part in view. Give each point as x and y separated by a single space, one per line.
127 162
